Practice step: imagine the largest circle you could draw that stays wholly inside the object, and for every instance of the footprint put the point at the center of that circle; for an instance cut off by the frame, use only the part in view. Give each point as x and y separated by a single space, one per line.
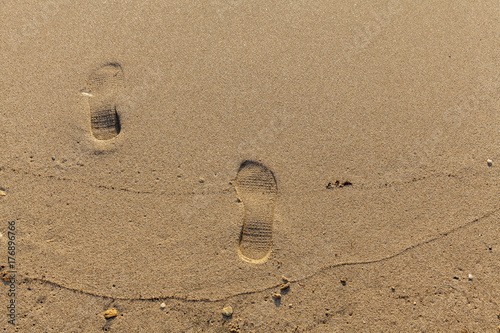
256 188
102 90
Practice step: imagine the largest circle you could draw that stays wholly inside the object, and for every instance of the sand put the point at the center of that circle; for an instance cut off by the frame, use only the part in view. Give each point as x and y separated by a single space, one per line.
125 127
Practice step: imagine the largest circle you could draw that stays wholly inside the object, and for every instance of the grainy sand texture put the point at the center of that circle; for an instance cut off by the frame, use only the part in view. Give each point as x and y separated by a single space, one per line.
250 166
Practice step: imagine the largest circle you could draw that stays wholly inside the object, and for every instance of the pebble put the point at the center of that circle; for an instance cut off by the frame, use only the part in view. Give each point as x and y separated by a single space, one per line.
110 313
285 279
227 311
285 286
2 193
490 162
276 296
163 305
471 277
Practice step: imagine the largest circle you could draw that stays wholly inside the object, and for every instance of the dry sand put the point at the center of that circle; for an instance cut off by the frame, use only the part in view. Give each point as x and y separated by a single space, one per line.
375 118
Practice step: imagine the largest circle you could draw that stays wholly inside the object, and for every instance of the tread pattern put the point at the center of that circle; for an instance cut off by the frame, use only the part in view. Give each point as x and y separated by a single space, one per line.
257 189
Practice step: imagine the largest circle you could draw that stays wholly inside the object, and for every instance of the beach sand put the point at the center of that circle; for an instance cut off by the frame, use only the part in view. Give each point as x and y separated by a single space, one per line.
195 154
